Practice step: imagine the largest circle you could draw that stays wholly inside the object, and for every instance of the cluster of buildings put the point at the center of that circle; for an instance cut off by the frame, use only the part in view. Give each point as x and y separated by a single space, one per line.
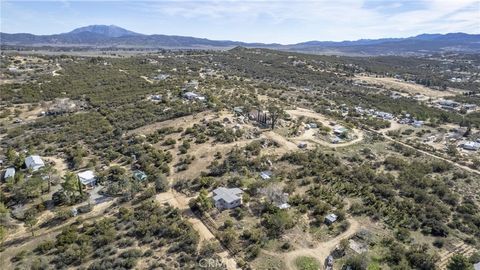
373 112
454 105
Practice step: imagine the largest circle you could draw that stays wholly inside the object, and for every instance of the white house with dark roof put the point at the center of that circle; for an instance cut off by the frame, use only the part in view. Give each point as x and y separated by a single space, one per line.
227 198
87 178
34 162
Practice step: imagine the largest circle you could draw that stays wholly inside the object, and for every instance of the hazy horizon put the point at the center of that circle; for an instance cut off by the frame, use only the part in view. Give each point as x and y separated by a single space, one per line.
284 22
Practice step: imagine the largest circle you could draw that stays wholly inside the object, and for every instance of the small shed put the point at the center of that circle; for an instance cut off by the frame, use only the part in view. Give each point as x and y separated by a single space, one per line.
9 172
139 175
266 175
330 219
34 162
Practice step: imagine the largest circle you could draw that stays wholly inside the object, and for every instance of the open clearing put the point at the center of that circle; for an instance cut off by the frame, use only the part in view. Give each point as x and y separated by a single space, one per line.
320 252
411 88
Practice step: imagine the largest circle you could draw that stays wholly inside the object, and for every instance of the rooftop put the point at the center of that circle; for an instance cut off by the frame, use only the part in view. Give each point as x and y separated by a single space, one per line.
227 194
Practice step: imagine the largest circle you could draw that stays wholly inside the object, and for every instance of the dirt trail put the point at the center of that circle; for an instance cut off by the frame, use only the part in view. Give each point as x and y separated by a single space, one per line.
146 79
180 201
320 252
23 239
284 144
54 72
309 135
427 153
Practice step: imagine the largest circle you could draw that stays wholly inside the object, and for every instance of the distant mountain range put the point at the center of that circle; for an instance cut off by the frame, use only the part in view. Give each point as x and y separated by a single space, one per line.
101 36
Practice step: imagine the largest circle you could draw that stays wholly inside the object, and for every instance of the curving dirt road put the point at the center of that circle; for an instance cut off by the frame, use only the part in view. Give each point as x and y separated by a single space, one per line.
320 252
180 201
309 135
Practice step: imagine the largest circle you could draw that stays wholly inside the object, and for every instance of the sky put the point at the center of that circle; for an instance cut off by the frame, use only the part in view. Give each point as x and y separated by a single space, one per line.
268 21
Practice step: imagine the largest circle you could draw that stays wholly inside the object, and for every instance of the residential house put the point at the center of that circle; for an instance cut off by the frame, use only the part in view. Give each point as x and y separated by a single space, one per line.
330 219
9 172
34 162
193 96
472 146
448 104
87 178
340 131
139 175
227 198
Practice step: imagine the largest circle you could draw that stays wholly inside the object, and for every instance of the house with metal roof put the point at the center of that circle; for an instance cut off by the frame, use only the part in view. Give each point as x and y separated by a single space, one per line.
471 145
34 162
87 178
227 198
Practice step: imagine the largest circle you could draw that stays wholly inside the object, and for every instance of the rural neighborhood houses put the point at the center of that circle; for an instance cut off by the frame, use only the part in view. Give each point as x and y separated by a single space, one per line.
34 162
227 198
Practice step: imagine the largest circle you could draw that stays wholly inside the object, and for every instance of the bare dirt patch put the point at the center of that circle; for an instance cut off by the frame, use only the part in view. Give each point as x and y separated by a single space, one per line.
411 88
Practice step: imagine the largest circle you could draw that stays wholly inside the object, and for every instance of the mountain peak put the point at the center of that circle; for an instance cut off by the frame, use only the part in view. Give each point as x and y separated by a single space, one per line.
106 30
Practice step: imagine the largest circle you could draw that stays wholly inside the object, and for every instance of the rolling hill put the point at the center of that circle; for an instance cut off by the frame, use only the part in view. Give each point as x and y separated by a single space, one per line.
99 36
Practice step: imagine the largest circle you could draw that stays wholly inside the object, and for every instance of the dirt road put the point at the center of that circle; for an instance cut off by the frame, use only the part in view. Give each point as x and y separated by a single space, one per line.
321 251
23 240
180 201
427 153
309 135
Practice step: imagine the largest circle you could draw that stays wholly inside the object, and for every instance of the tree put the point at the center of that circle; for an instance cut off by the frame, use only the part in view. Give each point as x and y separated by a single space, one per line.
161 183
275 112
31 221
11 154
459 262
50 171
202 202
71 184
